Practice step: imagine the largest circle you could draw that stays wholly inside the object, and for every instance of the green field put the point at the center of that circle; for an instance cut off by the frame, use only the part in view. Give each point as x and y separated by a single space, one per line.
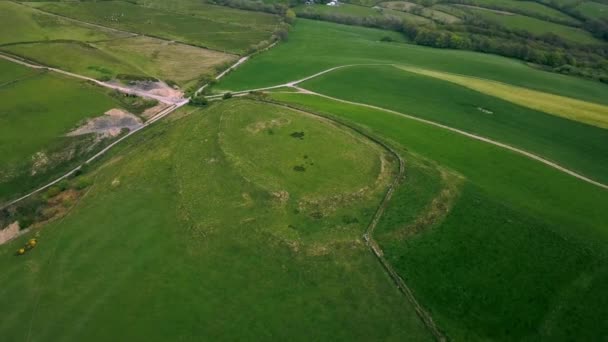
511 257
10 73
531 8
252 20
193 242
536 26
19 23
43 108
223 36
142 56
593 10
74 57
359 11
318 46
426 12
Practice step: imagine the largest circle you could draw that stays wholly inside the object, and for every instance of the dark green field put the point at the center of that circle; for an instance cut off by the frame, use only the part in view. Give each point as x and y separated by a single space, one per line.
513 252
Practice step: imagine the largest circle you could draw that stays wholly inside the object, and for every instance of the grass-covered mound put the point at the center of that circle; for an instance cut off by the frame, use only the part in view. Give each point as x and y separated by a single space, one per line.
214 234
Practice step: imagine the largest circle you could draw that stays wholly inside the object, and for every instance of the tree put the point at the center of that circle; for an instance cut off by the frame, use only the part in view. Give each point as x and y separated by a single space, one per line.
290 16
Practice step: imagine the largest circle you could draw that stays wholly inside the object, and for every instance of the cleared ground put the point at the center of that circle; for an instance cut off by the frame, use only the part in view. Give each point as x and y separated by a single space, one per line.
192 241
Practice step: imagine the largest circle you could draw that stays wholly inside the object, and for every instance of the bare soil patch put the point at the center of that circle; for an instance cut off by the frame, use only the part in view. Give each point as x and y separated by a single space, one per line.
109 125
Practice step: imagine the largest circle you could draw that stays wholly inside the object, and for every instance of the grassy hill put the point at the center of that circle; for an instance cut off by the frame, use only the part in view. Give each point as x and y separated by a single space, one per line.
204 240
496 246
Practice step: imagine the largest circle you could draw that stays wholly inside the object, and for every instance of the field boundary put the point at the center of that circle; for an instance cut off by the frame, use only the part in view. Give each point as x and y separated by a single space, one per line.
372 244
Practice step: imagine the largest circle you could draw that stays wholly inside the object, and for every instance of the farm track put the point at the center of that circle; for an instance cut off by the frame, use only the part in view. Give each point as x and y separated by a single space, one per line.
294 84
373 245
166 100
173 107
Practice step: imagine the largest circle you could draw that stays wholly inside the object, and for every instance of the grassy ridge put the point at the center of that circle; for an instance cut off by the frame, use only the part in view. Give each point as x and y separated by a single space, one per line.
177 200
572 144
515 258
318 46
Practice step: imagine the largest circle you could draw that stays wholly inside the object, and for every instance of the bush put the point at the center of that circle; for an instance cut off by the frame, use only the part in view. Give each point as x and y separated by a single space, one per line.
227 96
82 183
199 101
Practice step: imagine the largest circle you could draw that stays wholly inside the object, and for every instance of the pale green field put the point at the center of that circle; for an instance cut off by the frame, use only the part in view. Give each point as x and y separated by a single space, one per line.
573 109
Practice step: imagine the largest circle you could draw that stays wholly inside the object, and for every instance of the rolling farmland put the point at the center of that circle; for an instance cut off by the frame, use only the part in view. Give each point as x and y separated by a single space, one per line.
228 171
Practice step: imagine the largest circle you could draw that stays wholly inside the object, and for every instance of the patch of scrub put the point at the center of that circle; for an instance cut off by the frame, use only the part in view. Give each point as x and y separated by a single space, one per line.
109 125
